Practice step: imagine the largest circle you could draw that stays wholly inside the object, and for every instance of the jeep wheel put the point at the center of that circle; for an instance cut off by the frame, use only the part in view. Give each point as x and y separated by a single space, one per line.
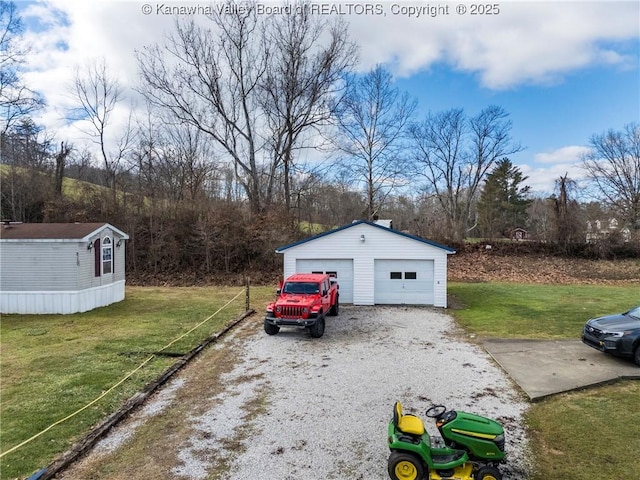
636 355
317 329
271 329
488 473
334 310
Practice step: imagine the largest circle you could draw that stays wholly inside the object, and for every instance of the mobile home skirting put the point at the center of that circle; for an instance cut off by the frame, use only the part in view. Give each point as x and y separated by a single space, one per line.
61 301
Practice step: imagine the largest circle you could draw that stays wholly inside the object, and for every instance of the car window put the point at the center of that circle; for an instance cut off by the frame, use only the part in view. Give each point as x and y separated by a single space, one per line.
634 313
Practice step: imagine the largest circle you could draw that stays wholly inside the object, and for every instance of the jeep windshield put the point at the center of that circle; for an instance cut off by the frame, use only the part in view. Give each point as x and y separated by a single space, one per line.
301 288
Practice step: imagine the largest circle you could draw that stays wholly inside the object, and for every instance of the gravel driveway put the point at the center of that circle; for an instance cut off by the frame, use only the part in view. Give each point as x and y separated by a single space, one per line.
293 407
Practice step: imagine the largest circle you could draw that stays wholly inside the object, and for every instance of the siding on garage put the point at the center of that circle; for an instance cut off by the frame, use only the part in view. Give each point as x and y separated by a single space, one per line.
365 242
343 268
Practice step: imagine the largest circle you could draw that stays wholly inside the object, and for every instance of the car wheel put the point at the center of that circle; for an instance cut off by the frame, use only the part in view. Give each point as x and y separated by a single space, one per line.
488 473
405 466
271 329
317 329
636 355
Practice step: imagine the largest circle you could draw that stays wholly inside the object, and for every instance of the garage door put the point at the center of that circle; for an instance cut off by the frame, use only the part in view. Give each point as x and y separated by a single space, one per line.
403 282
340 268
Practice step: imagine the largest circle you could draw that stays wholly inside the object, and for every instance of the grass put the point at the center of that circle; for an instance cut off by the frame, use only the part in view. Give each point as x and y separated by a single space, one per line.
582 434
588 434
52 365
508 310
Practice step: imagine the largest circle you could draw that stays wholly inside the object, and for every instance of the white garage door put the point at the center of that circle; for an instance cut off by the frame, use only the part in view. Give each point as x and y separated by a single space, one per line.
403 282
342 269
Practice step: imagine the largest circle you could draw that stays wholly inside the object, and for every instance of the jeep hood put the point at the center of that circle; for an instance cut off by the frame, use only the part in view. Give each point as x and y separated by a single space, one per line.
295 299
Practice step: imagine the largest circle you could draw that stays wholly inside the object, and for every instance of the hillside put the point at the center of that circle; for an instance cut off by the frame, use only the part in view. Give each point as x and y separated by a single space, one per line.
481 266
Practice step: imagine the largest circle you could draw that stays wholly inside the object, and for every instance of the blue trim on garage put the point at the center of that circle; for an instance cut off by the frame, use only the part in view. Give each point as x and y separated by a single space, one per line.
360 222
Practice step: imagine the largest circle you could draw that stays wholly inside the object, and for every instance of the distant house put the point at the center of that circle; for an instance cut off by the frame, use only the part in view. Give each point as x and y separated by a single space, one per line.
519 234
60 267
597 230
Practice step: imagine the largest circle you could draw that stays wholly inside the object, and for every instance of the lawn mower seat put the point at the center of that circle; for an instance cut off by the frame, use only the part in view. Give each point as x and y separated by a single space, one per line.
409 424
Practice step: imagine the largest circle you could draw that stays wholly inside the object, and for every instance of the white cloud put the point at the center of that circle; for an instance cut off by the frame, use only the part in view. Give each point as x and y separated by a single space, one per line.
564 155
527 42
545 168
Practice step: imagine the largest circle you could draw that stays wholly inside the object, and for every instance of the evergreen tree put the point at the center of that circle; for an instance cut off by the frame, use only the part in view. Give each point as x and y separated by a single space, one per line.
503 201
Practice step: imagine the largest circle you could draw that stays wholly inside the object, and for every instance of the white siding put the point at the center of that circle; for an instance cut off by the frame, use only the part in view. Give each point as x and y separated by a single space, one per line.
61 302
378 243
39 266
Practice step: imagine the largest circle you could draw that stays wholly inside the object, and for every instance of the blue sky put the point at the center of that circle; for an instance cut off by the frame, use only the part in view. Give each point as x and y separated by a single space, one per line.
564 70
550 121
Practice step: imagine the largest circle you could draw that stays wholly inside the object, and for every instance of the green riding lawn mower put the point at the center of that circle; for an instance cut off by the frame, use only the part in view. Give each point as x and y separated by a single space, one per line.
470 446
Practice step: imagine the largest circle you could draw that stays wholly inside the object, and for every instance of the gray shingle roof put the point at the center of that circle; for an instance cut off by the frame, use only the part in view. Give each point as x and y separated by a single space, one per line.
52 231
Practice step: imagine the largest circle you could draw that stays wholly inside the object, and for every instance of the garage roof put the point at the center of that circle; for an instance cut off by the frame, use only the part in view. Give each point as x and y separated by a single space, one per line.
449 250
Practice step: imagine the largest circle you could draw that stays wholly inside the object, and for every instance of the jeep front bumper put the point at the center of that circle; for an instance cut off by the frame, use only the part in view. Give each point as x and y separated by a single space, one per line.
292 322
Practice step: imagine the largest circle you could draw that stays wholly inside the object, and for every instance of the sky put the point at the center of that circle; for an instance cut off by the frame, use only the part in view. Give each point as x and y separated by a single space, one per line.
563 70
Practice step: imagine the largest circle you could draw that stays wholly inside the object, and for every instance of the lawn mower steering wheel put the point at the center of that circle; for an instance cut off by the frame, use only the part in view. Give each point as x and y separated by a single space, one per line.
436 411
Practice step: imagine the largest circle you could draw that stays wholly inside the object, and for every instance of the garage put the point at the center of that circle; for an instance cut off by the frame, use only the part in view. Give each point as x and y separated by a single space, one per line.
403 282
339 268
374 264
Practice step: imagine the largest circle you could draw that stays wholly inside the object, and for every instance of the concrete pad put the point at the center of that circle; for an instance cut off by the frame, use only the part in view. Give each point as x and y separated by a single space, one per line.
546 367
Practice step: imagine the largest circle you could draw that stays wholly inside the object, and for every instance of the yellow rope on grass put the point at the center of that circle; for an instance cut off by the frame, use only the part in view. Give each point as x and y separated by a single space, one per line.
104 394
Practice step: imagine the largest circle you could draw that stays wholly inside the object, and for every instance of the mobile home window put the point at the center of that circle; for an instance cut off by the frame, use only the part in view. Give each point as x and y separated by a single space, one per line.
107 256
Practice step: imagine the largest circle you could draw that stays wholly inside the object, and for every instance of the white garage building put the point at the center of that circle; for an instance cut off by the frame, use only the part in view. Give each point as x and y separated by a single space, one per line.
374 264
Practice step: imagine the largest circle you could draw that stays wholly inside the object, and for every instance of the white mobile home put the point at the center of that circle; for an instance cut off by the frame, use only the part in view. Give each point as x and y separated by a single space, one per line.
374 264
60 267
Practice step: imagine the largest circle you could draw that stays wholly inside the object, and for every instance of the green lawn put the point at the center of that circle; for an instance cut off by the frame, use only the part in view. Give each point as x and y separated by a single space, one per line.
587 434
52 365
510 310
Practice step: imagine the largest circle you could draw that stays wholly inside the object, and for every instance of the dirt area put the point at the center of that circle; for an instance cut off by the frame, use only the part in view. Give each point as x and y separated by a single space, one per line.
287 406
488 266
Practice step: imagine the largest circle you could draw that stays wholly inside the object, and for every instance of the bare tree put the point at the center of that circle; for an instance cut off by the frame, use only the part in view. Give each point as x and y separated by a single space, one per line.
208 78
300 80
26 180
454 154
372 118
98 94
568 225
614 166
252 84
61 160
16 99
188 162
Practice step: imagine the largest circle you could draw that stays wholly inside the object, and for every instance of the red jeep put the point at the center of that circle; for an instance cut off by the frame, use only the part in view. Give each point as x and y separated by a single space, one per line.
303 301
